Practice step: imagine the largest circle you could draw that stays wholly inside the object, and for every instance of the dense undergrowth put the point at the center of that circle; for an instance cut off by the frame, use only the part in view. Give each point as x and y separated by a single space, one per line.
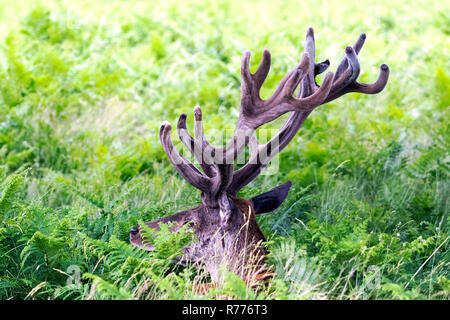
84 87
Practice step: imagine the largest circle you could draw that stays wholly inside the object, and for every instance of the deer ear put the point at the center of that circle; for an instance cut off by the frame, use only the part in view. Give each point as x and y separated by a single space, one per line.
270 200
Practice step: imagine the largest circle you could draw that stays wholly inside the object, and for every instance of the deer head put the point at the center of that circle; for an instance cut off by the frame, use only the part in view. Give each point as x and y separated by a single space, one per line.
226 226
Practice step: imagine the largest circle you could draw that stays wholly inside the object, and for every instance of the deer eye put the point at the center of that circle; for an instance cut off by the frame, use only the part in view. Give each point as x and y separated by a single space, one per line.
134 230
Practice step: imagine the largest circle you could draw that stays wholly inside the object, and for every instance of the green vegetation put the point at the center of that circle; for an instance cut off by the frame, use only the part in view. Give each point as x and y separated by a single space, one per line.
84 86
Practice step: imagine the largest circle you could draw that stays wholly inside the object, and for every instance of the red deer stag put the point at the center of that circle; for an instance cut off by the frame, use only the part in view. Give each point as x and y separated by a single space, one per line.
226 226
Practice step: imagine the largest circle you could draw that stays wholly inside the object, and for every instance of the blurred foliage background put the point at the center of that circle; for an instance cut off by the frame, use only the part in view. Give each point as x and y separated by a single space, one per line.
84 86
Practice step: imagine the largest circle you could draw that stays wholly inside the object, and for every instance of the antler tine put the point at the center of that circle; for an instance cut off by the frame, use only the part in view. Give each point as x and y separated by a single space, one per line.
186 169
375 87
252 82
348 71
321 67
353 65
196 146
359 43
347 77
357 48
207 150
183 133
308 84
261 73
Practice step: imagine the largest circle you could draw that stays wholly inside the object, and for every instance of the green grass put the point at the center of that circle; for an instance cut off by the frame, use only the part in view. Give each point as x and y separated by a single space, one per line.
84 86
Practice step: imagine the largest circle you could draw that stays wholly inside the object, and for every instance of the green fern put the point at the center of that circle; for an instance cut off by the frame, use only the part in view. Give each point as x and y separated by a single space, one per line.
168 244
49 248
292 266
116 252
9 189
106 290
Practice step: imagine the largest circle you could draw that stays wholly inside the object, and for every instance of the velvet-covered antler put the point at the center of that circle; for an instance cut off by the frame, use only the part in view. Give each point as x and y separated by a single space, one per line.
218 178
344 81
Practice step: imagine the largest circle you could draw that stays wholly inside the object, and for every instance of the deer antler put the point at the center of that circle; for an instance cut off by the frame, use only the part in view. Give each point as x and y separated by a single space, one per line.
218 178
344 81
